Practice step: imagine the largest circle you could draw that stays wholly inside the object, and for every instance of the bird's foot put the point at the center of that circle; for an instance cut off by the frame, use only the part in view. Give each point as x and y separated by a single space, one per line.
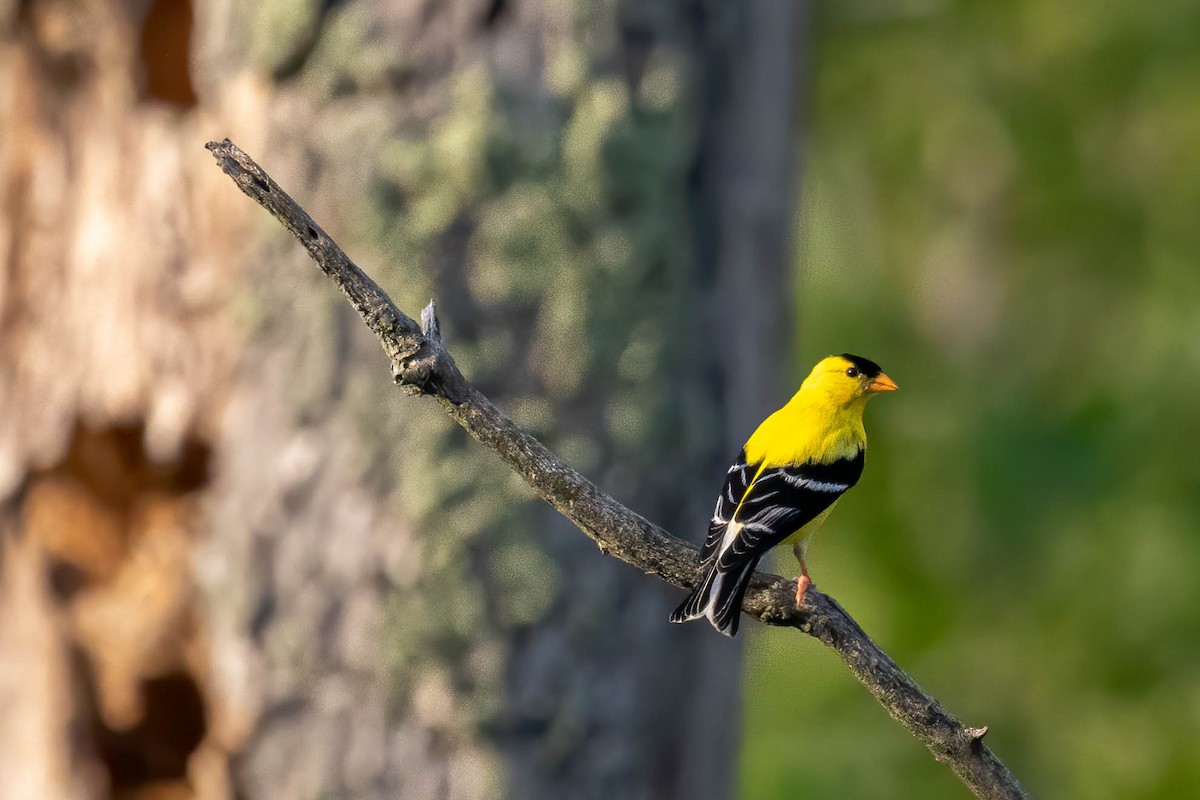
802 584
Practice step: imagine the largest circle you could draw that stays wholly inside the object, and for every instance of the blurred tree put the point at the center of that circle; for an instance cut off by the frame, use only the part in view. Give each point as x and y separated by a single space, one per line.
236 563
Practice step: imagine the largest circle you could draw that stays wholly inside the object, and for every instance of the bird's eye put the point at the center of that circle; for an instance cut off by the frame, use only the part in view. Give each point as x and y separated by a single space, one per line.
852 372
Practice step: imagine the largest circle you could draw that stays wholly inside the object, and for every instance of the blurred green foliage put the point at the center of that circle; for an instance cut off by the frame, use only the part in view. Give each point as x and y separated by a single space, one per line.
1000 206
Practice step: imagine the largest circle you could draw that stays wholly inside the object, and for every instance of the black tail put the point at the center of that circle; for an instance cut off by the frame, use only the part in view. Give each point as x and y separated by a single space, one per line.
719 597
693 607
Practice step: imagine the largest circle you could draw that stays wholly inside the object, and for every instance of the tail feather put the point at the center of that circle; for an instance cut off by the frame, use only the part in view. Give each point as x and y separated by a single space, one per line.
693 607
725 608
719 597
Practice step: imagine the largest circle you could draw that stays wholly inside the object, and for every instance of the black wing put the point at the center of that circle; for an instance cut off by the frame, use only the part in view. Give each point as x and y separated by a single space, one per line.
737 481
770 508
783 500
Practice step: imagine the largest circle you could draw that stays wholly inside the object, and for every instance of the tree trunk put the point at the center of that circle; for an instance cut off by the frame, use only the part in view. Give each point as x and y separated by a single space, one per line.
227 542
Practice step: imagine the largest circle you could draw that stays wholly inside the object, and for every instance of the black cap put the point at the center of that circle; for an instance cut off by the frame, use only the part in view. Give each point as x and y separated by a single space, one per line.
865 365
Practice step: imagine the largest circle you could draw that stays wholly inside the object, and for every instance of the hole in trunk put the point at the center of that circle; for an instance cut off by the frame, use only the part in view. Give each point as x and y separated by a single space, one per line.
165 53
153 754
117 529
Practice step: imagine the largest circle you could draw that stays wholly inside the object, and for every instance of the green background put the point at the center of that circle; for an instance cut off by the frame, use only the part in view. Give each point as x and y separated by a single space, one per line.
1000 205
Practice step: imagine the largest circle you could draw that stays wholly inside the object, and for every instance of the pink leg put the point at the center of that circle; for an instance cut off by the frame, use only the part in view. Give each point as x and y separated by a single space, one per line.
803 582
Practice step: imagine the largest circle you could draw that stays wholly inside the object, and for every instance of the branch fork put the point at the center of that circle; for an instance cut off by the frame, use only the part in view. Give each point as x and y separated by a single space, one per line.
430 370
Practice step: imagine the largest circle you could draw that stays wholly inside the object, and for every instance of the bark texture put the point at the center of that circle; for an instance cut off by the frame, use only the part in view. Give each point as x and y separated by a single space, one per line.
231 569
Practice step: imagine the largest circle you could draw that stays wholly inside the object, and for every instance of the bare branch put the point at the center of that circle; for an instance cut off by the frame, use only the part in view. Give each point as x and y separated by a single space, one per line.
421 364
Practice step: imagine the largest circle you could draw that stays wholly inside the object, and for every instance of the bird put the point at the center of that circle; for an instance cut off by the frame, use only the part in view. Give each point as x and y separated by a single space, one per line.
787 478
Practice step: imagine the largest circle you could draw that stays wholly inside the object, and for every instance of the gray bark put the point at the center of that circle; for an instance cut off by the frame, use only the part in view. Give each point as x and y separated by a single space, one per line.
209 508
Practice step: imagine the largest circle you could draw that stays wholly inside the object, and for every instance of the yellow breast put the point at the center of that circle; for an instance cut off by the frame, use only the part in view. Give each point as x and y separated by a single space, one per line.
799 433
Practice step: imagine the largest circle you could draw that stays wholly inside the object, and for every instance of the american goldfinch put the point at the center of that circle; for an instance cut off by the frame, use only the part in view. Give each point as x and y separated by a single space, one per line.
785 481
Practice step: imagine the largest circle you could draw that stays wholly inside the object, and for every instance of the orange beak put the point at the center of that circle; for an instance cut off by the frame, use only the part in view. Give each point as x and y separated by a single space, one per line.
882 383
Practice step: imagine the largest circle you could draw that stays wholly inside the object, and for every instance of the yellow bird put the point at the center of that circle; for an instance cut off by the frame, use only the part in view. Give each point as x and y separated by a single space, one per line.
785 481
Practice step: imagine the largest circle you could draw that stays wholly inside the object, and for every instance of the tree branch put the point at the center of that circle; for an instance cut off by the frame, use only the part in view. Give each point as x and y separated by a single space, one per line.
421 364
